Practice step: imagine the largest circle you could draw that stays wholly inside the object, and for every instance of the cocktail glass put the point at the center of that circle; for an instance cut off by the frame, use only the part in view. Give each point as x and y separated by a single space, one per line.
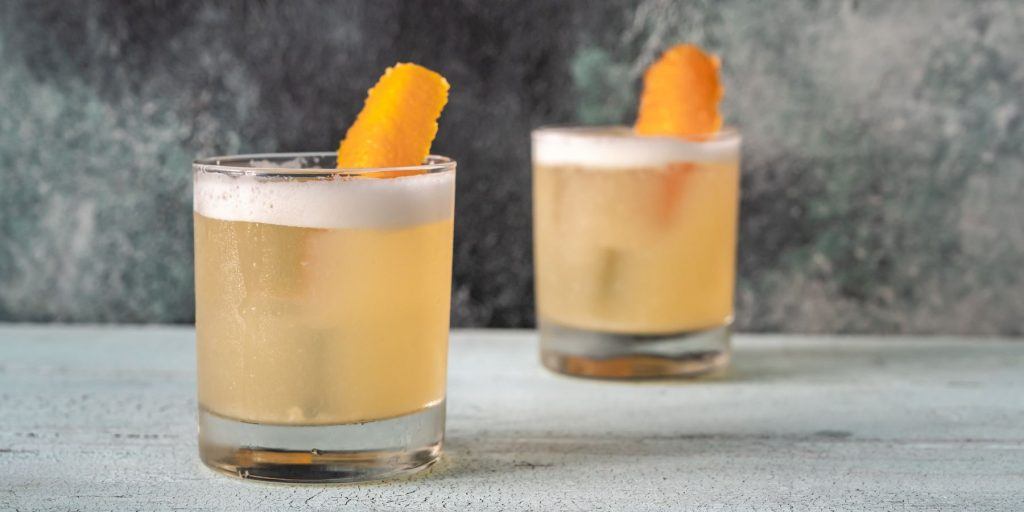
322 306
635 249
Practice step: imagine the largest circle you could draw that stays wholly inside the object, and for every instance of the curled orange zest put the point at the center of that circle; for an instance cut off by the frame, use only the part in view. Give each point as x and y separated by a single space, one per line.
681 94
398 123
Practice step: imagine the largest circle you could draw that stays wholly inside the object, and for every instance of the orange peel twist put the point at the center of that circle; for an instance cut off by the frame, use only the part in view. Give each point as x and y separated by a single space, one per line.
398 123
681 94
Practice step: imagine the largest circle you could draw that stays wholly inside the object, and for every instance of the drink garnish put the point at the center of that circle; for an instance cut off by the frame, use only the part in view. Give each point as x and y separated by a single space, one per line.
681 94
398 122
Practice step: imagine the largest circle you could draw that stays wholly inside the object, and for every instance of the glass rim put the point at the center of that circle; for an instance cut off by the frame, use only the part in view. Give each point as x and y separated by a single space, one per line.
618 131
242 164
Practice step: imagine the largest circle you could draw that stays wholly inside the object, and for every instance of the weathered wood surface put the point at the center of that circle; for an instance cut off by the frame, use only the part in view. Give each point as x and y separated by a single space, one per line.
102 418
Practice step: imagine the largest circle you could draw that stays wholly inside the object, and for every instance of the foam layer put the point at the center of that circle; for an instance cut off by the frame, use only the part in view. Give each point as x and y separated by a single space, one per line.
618 147
329 203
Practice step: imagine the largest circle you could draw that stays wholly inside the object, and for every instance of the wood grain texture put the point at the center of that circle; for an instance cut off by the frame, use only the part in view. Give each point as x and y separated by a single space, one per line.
102 418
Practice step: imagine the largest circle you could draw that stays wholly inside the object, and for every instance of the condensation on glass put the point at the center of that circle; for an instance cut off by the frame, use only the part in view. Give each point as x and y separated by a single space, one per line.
322 307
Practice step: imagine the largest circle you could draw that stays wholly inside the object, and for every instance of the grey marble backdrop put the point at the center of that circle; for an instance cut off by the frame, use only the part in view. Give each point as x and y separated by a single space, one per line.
883 186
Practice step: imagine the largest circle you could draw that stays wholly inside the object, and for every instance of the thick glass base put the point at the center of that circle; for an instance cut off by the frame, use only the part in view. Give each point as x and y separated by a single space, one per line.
622 356
322 453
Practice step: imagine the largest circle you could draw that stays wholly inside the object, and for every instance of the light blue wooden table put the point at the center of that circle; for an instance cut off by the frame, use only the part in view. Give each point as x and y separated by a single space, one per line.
102 418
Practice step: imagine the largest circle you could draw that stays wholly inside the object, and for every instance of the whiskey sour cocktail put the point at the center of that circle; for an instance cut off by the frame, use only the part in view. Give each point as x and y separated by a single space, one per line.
635 237
322 307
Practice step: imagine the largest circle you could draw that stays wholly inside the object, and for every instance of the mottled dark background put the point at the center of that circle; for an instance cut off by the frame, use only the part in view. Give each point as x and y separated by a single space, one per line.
883 142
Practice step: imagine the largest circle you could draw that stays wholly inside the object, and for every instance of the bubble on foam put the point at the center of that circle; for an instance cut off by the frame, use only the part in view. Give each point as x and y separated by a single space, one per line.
339 202
618 147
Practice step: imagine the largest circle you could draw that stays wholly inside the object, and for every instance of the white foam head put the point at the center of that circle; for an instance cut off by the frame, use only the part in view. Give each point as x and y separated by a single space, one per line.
617 147
333 202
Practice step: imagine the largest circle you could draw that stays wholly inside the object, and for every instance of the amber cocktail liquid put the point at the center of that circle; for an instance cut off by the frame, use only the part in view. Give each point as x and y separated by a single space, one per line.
322 305
635 248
